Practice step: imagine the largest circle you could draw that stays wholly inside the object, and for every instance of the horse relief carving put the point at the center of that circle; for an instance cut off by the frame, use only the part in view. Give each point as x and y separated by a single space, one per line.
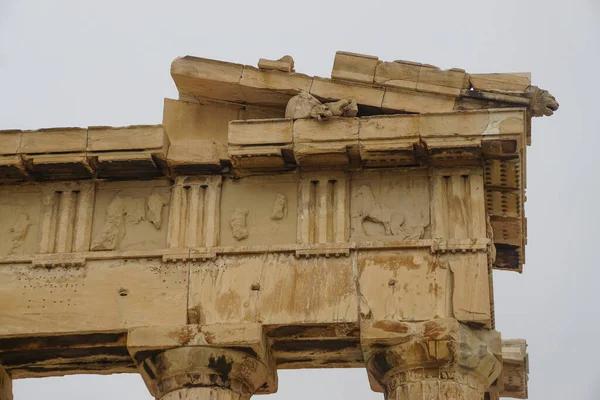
238 223
305 105
367 211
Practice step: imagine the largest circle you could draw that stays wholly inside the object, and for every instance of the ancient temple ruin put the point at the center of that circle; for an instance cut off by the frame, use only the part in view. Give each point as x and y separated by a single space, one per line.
275 220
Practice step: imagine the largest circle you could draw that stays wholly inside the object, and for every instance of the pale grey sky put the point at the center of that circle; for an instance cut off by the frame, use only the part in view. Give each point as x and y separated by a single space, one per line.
80 63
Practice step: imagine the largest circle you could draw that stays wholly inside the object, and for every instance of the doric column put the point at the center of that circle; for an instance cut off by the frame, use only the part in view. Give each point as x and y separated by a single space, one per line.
203 373
5 385
216 362
437 359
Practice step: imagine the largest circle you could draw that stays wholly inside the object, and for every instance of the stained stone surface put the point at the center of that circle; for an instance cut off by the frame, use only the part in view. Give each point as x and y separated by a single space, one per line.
275 221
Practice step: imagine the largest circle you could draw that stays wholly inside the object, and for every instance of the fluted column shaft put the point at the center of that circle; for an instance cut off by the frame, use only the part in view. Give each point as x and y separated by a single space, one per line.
434 383
204 393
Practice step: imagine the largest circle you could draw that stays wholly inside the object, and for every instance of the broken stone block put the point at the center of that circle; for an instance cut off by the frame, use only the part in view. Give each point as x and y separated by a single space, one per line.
284 64
354 67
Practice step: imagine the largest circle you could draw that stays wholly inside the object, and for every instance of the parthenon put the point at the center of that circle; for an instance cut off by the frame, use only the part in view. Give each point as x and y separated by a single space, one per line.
275 220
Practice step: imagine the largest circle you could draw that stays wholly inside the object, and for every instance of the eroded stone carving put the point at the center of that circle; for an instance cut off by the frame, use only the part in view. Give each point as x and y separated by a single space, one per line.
154 206
369 210
279 207
18 232
113 230
542 102
123 210
134 210
343 108
305 105
238 223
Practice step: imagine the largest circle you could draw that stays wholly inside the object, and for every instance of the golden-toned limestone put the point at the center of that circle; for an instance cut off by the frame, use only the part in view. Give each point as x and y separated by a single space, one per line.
274 220
284 64
354 67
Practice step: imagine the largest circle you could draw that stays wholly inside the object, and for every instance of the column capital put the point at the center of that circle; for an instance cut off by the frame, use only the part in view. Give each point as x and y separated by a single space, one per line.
406 359
224 357
186 367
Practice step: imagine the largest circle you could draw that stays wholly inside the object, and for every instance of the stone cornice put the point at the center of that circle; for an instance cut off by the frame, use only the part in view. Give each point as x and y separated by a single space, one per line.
393 86
131 152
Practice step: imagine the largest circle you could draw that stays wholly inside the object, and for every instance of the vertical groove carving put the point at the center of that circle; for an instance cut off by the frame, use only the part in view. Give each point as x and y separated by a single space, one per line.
458 205
174 216
323 215
194 216
67 217
66 220
323 211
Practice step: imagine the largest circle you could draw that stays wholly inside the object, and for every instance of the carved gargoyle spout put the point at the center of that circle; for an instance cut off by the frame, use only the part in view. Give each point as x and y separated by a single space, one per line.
542 102
305 105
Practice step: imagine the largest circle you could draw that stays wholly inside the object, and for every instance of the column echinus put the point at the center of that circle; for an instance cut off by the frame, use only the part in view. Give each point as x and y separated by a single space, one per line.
275 221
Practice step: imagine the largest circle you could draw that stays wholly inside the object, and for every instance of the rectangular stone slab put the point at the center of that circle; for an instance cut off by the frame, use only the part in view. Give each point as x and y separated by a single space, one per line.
57 140
274 288
11 141
126 138
102 296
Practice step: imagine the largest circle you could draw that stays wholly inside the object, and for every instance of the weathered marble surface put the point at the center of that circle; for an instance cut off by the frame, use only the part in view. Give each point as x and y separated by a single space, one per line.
274 220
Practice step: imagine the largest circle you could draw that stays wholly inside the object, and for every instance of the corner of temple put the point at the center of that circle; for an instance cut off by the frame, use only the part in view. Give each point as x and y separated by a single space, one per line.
515 369
275 220
409 360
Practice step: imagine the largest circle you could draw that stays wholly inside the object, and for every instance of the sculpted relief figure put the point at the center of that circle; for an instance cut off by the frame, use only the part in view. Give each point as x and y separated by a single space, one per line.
113 230
17 233
343 108
370 210
392 222
305 105
238 223
279 207
542 102
124 210
154 206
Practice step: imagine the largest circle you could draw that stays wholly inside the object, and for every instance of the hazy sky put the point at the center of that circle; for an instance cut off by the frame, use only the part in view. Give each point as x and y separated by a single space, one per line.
80 63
